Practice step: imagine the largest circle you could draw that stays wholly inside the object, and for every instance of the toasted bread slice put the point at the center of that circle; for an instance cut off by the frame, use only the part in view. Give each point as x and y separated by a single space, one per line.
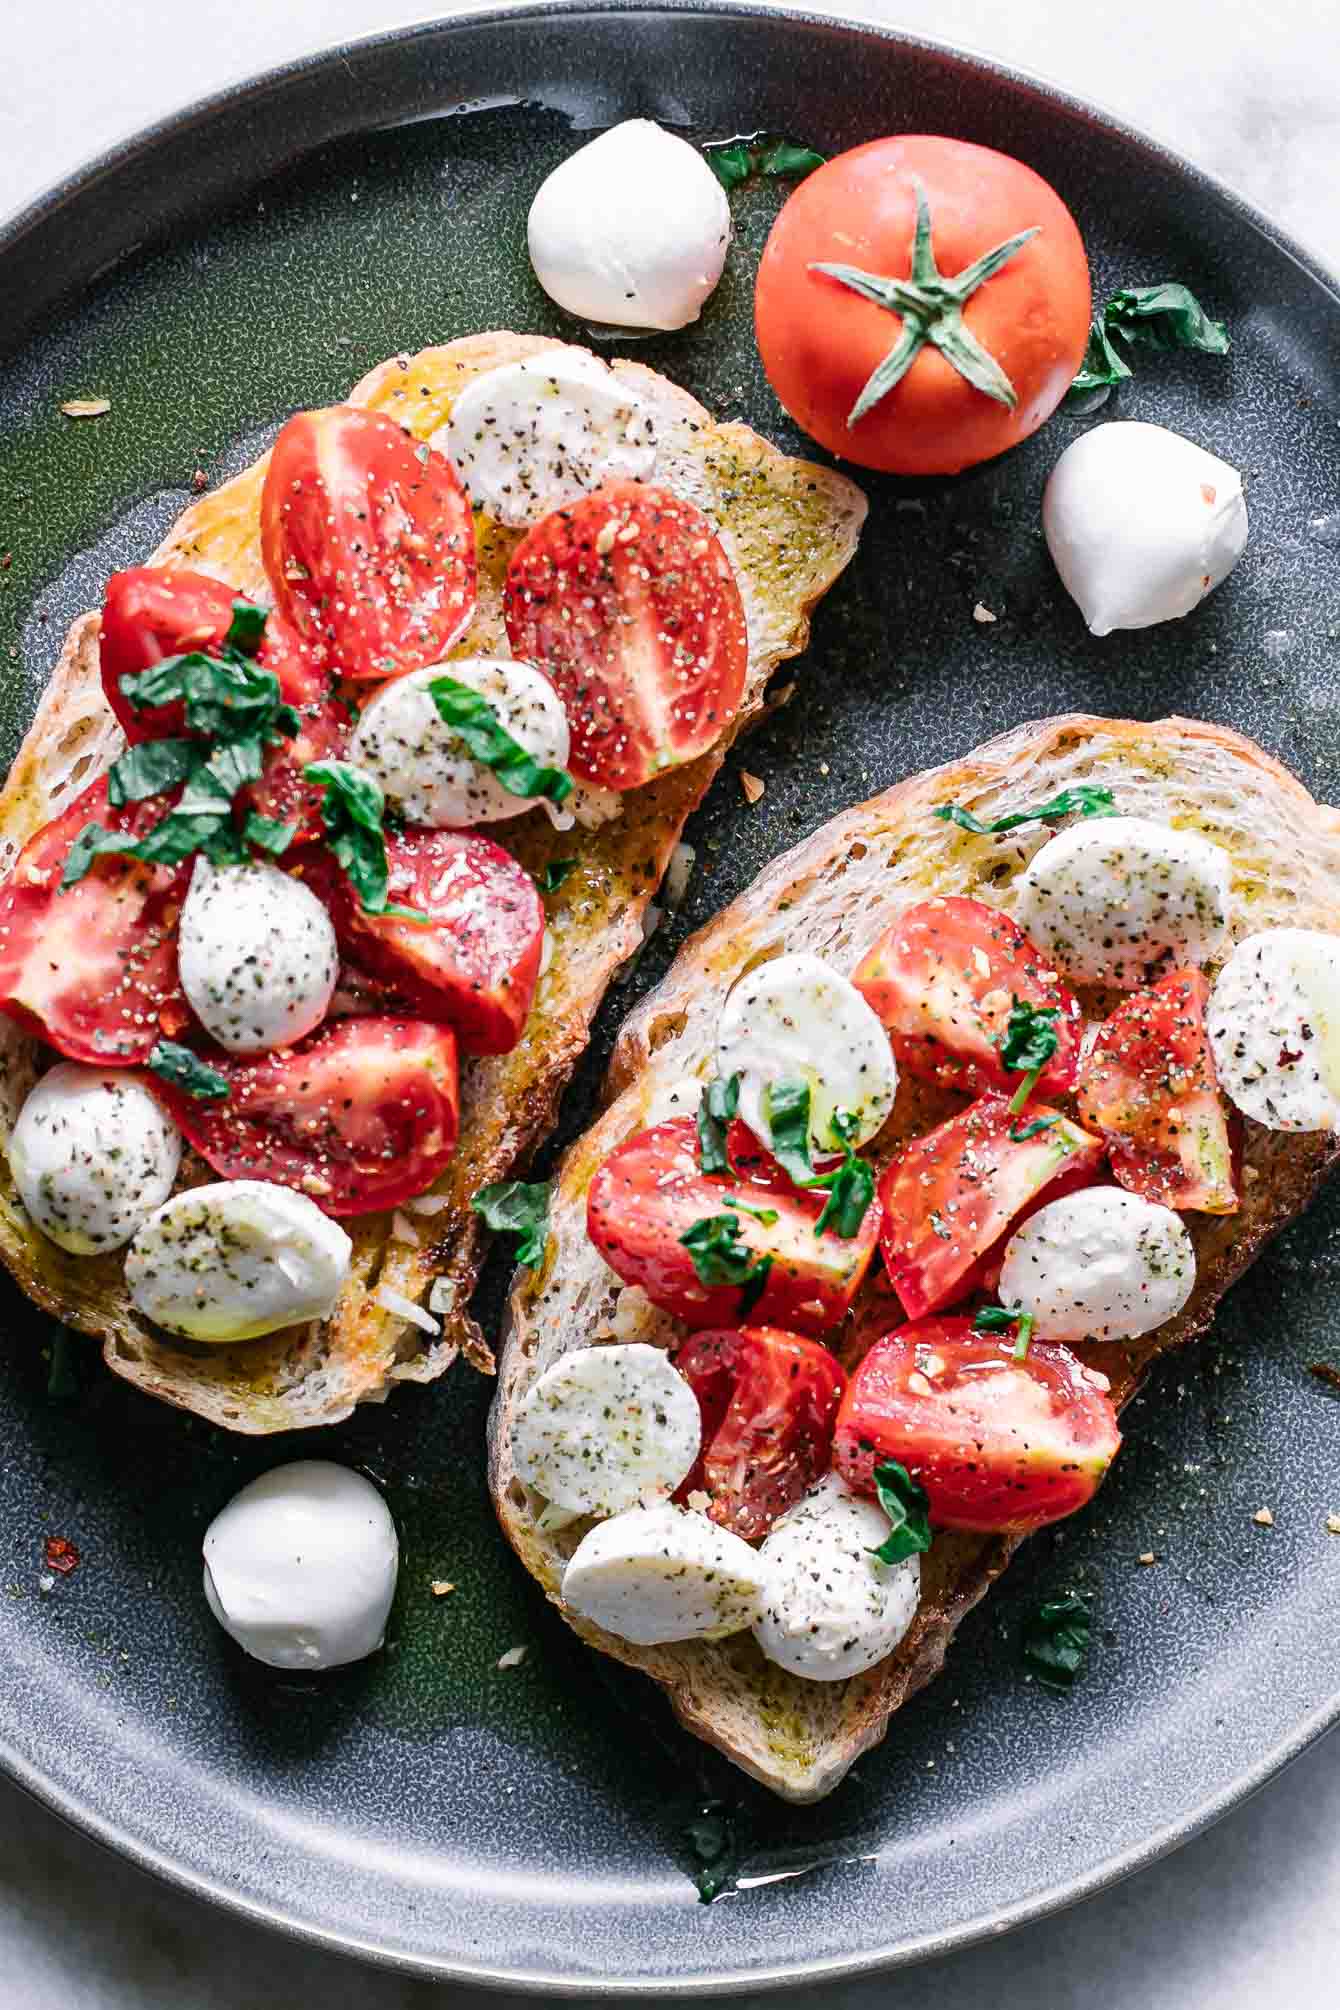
790 528
833 895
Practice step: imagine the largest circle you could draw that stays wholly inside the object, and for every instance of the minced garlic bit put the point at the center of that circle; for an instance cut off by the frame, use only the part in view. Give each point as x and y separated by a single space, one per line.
983 614
1264 1518
86 408
513 1658
752 786
440 1587
1333 1524
1146 1556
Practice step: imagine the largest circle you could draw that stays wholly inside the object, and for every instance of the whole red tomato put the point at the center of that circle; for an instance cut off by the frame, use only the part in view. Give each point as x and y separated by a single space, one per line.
880 263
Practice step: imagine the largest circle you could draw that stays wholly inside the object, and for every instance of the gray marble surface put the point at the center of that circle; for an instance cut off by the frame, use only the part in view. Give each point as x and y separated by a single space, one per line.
1251 1911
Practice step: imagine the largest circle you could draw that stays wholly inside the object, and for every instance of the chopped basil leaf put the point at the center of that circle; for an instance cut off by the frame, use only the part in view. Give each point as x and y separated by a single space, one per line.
734 161
225 698
512 1207
711 1837
767 1215
1028 1043
1021 1133
1055 1640
1000 1319
1086 799
720 1257
731 164
184 1070
1164 317
351 811
1103 366
782 158
850 1186
850 1189
474 720
246 628
268 833
150 769
720 1100
170 842
554 874
786 1105
905 1503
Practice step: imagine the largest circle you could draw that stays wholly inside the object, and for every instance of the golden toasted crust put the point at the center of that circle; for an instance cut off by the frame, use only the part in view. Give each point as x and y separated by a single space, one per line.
834 895
790 528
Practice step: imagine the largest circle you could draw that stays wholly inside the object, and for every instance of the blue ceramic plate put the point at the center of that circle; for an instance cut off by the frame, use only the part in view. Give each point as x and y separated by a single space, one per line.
527 1825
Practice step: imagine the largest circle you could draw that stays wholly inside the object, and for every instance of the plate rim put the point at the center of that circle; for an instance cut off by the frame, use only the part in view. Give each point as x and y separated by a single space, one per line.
76 1810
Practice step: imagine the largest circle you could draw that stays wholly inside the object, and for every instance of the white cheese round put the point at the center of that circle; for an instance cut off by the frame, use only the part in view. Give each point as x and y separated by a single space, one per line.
796 1019
1141 524
664 1573
257 956
424 766
832 1609
237 1259
530 437
632 230
1101 1264
301 1566
605 1428
1274 1027
92 1156
1112 898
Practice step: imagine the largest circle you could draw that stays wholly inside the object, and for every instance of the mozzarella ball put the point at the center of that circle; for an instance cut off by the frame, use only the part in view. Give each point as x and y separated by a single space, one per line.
631 231
1274 1027
1101 1264
92 1156
832 1608
1111 898
423 765
663 1573
256 954
237 1259
1141 524
530 437
301 1566
606 1427
796 1019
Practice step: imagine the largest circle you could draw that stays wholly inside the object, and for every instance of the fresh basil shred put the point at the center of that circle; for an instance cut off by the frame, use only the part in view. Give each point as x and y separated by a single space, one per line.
1001 1319
183 1069
473 720
1163 317
1055 1640
850 1186
352 815
736 161
1021 1133
720 1257
246 630
906 1505
787 1108
718 1104
710 1835
1085 800
1027 1044
519 1209
555 874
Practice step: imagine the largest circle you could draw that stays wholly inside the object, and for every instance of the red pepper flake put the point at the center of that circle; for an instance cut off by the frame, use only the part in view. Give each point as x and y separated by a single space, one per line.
61 1556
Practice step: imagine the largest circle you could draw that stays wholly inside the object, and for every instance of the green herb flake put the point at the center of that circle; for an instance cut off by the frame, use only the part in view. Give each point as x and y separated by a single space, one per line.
514 1208
718 1104
1163 317
1000 1319
1055 1641
1021 1133
906 1505
1084 800
1027 1044
767 1215
352 812
268 833
150 768
734 162
721 1257
177 1065
473 720
786 1105
710 1836
555 874
247 628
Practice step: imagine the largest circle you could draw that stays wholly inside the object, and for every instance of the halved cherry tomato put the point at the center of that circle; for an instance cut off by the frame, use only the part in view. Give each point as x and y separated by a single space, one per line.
93 970
1149 1085
944 979
769 1401
822 335
478 964
650 1192
149 613
368 541
361 1116
998 1444
324 726
949 1197
627 602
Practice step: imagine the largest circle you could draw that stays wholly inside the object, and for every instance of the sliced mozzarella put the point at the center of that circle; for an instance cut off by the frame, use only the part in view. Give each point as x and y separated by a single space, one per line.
664 1573
1274 1027
529 437
794 1018
605 1428
632 230
257 956
235 1260
1141 524
832 1608
1111 898
1099 1265
424 766
301 1566
92 1156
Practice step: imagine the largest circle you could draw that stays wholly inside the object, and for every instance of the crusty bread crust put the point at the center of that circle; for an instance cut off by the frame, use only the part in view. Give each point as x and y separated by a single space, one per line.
790 528
834 895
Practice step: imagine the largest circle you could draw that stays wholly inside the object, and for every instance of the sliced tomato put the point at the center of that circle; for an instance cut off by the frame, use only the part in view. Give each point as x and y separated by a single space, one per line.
650 1192
324 726
361 1116
149 613
998 1444
368 541
93 970
769 1401
627 601
1149 1085
478 963
944 979
949 1197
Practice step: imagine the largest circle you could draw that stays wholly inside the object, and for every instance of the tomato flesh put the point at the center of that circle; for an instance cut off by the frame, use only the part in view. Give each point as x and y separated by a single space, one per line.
93 970
944 979
478 963
650 1191
1000 1445
368 542
360 1116
950 1197
627 602
149 613
769 1401
1149 1085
